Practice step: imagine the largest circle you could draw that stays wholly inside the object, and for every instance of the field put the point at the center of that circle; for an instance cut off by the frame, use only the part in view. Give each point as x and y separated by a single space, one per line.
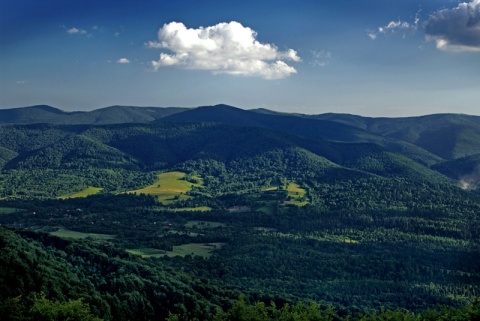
199 249
192 209
169 187
7 210
64 233
83 193
296 194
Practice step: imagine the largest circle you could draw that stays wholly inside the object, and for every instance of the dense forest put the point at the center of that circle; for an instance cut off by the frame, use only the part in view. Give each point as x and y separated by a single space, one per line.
217 213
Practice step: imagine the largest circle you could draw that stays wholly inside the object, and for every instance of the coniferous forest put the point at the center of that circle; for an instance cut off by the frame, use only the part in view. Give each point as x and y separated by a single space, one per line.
217 213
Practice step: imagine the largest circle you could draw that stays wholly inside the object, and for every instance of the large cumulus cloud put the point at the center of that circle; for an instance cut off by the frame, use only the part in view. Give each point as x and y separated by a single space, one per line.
227 48
456 29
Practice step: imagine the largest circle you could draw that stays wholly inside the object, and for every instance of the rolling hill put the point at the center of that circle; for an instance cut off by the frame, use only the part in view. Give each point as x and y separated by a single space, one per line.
108 115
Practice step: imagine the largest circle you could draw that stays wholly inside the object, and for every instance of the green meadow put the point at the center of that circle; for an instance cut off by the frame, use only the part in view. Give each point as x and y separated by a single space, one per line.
296 194
169 187
90 190
198 249
64 233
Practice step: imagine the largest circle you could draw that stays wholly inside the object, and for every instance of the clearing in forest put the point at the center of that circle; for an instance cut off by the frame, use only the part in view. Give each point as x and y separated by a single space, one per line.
90 190
170 187
64 233
296 195
198 249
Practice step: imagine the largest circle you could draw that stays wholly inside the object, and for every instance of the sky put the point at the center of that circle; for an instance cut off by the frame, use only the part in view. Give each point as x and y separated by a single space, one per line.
380 58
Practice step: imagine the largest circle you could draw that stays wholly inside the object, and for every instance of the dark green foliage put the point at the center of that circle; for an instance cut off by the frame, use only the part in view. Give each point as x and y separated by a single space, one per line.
448 136
381 231
108 115
115 285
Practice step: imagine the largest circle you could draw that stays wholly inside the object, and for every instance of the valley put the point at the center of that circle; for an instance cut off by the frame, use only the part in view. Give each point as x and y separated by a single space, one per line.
188 213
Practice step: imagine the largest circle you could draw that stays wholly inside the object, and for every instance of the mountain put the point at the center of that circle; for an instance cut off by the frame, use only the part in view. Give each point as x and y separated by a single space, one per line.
179 215
301 126
107 115
448 136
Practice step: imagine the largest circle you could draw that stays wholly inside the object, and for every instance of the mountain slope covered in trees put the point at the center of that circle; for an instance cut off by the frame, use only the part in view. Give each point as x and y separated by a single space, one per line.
129 213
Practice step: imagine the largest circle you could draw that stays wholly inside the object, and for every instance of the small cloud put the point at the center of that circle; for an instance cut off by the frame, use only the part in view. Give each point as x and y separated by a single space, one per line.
395 27
456 29
321 58
225 48
21 82
76 31
123 61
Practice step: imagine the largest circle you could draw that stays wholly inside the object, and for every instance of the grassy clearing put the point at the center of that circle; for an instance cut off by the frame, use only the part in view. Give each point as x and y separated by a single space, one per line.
192 209
147 252
296 194
170 187
90 190
8 210
64 233
199 249
204 224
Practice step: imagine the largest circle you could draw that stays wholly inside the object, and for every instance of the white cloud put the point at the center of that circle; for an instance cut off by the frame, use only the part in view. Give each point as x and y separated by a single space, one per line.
77 31
456 29
228 48
123 61
395 27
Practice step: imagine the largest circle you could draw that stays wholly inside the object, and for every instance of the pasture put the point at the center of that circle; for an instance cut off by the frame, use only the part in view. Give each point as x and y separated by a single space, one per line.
90 190
65 233
169 187
198 249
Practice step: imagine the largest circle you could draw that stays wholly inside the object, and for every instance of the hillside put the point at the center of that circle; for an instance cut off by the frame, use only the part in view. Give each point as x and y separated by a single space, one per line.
79 151
448 136
301 126
201 214
108 115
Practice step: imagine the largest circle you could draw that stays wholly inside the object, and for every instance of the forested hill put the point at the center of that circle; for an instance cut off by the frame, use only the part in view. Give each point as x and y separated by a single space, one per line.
108 115
77 152
127 213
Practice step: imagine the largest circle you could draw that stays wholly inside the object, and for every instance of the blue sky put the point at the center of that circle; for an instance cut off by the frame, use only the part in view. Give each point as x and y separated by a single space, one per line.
370 57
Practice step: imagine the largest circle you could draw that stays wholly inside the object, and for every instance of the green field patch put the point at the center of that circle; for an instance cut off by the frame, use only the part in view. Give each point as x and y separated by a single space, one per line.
204 224
192 209
198 249
90 190
8 210
296 194
170 187
65 233
147 252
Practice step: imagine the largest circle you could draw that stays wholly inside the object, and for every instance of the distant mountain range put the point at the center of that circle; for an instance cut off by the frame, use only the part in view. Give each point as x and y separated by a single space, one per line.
433 148
108 115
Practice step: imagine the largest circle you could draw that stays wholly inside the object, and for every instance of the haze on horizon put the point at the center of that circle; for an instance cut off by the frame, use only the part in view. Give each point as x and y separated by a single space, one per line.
370 58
